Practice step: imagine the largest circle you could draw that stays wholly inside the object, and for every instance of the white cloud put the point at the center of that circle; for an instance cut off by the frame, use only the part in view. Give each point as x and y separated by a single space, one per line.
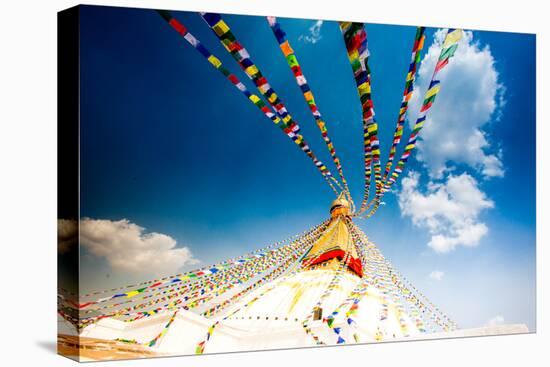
314 34
470 98
67 235
466 235
127 248
436 275
449 211
497 320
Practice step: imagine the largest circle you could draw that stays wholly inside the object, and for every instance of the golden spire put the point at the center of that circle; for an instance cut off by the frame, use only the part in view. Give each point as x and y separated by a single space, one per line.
335 248
340 206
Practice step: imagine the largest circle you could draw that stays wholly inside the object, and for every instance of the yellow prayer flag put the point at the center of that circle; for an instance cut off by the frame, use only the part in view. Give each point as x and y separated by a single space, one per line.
220 28
254 98
345 25
364 88
251 70
214 61
452 37
432 91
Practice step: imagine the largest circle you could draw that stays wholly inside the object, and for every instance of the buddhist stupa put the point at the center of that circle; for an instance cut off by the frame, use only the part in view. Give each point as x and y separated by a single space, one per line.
331 273
328 286
340 290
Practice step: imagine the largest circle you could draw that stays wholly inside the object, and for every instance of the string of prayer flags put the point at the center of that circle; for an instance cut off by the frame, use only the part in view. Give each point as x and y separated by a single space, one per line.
160 283
279 269
201 273
163 332
407 94
449 47
188 296
270 277
355 38
386 280
241 55
281 118
301 80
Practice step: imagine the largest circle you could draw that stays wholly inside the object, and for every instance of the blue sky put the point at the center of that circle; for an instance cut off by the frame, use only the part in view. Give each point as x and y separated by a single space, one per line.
172 147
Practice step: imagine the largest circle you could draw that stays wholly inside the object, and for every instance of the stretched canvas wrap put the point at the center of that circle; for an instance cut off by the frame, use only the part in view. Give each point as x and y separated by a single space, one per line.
236 183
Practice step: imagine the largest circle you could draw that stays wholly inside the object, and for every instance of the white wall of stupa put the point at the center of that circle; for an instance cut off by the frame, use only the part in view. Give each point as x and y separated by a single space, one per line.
273 321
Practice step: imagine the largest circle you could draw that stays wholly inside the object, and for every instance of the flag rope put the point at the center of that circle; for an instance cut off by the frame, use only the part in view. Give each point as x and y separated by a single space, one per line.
355 38
449 47
280 119
407 94
295 67
239 53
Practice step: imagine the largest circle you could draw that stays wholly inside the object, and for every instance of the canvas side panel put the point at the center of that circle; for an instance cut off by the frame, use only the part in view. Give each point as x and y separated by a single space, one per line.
68 181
